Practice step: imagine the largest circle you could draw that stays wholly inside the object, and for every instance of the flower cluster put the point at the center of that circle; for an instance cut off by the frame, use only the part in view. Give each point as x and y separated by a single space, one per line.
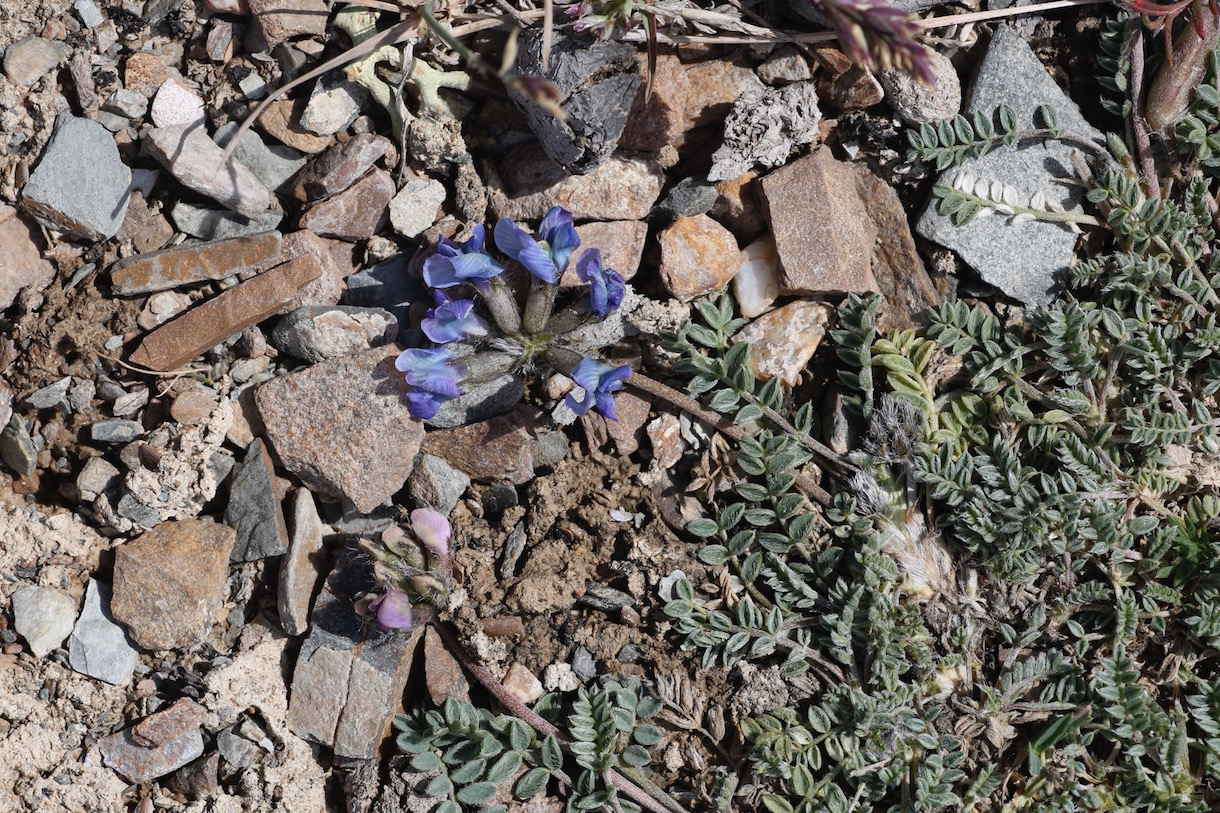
413 566
475 304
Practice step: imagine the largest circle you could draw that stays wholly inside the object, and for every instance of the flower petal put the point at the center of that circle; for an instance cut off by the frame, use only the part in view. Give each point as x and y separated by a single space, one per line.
423 405
513 241
560 235
433 530
393 610
445 272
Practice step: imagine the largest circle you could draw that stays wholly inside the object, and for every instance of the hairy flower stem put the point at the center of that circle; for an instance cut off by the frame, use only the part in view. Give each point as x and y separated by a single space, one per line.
1171 91
644 793
538 306
502 306
1139 125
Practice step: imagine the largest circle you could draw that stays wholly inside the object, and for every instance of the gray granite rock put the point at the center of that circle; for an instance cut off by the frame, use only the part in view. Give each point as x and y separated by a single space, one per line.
690 197
96 477
917 103
435 483
254 509
98 646
220 224
333 105
349 677
596 81
17 447
44 617
116 430
28 60
238 751
302 567
479 402
80 185
1021 259
386 285
48 396
315 334
273 164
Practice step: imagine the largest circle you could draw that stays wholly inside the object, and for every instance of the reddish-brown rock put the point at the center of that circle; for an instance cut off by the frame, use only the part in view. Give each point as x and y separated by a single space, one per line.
147 230
739 208
169 583
183 265
907 290
714 86
211 322
698 256
282 121
144 73
339 167
21 262
783 341
158 744
443 674
343 427
619 189
853 89
357 212
823 235
621 243
502 448
659 119
338 261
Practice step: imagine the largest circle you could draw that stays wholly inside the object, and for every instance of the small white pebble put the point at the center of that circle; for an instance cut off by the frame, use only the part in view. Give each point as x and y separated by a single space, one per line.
176 104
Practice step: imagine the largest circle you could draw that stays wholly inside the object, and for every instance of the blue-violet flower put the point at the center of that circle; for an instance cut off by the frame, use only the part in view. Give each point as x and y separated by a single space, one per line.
393 610
452 320
598 381
547 257
456 263
606 286
433 377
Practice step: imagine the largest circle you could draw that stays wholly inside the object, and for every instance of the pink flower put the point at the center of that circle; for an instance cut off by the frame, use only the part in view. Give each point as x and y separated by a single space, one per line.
433 531
393 610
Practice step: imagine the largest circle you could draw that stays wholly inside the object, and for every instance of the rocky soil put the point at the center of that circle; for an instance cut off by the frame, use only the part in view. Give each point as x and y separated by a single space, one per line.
201 413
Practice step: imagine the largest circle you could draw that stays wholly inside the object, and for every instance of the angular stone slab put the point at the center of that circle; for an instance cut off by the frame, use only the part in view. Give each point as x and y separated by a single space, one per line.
343 427
1021 259
349 676
211 322
254 509
159 744
183 265
169 583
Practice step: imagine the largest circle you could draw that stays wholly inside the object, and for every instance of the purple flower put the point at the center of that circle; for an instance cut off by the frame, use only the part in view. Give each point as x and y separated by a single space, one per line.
433 376
598 381
433 530
393 610
606 286
456 263
452 320
547 257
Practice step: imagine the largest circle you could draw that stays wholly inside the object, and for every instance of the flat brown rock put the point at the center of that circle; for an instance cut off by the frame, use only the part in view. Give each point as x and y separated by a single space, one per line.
621 243
356 213
906 289
211 322
162 270
499 448
169 583
21 262
823 235
660 118
619 189
343 427
158 744
339 167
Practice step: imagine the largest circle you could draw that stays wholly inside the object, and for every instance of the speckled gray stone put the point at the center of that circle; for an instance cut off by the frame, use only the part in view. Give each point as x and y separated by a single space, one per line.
479 402
43 616
116 430
80 185
1022 260
435 483
220 224
254 510
273 164
17 447
315 334
28 60
98 646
